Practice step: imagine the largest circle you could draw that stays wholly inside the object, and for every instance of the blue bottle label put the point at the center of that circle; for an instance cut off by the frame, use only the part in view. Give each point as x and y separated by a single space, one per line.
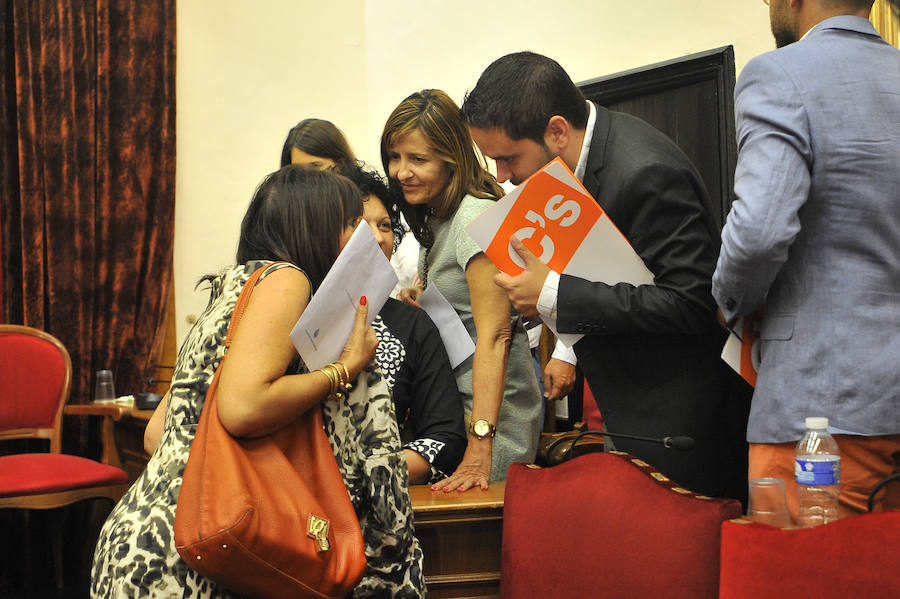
817 472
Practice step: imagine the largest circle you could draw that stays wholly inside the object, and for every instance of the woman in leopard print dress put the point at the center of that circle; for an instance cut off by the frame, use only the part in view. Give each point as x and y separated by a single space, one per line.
135 555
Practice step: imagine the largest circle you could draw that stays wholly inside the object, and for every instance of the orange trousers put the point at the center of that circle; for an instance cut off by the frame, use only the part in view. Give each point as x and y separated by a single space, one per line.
865 461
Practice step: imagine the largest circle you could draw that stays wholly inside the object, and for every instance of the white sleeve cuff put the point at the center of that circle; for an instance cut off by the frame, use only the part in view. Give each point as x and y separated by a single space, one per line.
563 353
546 305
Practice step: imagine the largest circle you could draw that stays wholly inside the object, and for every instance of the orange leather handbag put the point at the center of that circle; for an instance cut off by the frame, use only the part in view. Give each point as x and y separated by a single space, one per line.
270 516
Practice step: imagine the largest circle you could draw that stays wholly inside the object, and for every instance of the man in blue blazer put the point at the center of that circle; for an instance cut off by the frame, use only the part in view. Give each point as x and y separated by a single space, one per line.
813 237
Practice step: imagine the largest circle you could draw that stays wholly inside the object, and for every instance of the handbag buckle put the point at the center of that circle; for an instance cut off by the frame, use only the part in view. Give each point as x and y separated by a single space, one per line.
317 528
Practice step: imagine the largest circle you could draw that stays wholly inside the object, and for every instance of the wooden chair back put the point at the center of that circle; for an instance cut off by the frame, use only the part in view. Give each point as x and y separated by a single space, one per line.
35 380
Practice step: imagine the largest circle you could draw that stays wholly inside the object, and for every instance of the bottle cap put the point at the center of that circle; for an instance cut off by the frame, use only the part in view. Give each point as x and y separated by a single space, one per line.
817 422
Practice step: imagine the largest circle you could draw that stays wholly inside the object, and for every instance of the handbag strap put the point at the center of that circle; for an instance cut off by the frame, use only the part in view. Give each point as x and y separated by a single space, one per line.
244 299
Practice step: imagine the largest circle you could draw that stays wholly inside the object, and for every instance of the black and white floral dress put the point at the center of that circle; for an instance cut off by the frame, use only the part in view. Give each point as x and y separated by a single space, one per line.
135 554
429 408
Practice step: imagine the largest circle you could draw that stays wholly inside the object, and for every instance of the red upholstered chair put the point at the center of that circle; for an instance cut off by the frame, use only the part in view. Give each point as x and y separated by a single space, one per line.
857 556
607 524
35 376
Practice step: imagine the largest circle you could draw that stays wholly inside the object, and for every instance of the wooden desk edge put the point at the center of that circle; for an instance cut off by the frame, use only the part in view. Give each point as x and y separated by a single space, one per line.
114 411
424 500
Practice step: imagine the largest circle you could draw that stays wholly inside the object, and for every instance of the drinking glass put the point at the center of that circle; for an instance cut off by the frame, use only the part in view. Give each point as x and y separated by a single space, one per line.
768 502
104 390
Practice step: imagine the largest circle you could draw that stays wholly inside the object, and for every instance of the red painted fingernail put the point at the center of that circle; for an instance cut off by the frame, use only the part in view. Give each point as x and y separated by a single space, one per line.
363 301
434 487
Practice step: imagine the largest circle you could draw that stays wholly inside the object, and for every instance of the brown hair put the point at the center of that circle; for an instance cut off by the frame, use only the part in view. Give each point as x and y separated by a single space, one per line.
317 137
436 116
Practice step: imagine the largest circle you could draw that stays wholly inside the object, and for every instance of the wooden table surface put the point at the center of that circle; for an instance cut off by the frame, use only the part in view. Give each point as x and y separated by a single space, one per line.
426 501
115 410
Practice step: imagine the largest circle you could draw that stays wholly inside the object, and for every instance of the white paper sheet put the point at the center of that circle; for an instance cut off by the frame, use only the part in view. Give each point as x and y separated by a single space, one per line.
324 327
458 343
603 254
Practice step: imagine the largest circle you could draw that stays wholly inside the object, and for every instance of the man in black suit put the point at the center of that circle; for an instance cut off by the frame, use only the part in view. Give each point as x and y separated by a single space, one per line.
650 353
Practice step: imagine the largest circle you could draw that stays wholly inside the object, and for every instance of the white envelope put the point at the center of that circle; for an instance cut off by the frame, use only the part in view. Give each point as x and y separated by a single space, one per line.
458 343
324 327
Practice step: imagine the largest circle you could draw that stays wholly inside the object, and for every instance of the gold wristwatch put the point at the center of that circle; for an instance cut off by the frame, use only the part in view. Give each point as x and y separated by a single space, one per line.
482 428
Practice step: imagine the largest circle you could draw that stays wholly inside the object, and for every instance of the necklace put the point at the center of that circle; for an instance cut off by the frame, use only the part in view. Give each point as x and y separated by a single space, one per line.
425 269
428 214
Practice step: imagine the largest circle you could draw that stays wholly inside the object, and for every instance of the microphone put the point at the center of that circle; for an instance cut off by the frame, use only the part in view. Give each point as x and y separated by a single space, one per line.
679 442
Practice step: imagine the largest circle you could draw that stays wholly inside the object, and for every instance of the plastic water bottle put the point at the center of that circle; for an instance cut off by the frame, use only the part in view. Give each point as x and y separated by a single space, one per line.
817 470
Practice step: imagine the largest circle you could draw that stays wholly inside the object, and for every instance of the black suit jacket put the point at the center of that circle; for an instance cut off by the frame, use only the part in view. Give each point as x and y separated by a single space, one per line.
651 353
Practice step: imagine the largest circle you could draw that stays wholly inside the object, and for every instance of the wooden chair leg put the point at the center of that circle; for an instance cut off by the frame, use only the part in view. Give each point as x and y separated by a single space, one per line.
26 547
58 519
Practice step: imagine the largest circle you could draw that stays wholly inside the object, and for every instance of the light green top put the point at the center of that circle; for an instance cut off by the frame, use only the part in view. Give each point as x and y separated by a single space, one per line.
521 413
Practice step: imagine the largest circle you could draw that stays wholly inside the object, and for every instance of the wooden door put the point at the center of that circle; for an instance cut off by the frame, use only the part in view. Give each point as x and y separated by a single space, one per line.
690 99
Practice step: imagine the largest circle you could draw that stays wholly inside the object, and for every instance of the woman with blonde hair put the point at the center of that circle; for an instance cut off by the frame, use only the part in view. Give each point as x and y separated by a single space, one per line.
428 153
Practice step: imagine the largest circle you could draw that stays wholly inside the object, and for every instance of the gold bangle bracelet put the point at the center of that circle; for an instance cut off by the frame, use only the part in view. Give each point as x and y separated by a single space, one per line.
333 377
338 378
330 380
346 381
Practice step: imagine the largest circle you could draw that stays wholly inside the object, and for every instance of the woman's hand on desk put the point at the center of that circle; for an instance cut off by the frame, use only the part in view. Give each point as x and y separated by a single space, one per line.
473 471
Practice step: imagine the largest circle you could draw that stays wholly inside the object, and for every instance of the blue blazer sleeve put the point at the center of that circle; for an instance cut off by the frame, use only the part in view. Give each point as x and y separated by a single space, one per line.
772 182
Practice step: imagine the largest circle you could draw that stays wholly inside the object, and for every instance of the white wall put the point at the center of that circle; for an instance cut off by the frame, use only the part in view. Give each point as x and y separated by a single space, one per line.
247 72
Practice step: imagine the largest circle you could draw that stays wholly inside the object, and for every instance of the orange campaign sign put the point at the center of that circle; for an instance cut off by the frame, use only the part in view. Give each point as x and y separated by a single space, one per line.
750 352
558 220
741 350
550 218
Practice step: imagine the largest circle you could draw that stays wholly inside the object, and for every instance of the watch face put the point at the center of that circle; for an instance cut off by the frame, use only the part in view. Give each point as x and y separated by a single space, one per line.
482 428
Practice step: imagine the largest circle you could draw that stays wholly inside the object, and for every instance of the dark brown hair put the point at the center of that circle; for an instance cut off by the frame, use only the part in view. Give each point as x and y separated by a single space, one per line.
297 214
317 137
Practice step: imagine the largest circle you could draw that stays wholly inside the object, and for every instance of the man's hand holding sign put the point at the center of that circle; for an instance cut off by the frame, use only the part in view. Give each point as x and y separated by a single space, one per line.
550 222
524 289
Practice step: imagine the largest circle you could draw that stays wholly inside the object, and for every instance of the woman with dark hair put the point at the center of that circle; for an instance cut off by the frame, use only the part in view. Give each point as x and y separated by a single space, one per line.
428 153
320 144
299 218
411 355
316 143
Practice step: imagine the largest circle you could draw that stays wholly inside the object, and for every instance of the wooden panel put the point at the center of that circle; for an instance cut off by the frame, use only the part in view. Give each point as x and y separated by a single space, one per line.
690 99
461 536
130 444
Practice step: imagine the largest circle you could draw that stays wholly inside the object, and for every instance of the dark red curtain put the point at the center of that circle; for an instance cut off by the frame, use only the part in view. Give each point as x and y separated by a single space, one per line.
88 179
